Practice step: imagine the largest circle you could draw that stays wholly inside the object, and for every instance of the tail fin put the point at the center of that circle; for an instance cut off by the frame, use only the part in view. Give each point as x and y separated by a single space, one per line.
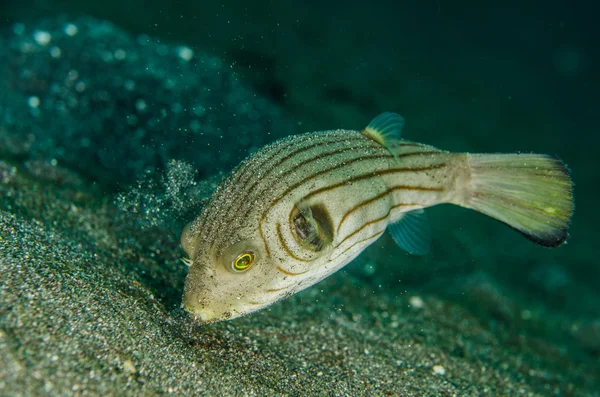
532 193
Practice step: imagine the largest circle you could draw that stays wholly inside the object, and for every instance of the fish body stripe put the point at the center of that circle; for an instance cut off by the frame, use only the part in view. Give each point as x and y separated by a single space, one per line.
297 149
286 161
361 177
357 234
250 183
288 273
288 170
241 180
285 246
372 175
364 240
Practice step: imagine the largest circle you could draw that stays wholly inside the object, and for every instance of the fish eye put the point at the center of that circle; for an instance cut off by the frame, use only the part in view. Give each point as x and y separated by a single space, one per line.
243 262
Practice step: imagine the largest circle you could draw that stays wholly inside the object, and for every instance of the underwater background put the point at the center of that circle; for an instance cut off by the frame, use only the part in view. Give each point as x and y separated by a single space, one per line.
118 118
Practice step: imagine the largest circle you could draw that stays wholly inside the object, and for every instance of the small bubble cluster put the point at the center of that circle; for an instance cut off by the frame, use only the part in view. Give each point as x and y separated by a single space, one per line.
112 106
167 198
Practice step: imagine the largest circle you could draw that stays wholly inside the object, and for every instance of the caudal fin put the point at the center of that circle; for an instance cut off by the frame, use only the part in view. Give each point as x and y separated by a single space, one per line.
532 193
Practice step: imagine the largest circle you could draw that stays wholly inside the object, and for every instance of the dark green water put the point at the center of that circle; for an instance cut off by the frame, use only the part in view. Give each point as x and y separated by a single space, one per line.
91 283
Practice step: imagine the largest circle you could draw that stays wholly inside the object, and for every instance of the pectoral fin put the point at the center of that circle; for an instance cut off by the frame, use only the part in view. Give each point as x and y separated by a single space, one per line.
412 232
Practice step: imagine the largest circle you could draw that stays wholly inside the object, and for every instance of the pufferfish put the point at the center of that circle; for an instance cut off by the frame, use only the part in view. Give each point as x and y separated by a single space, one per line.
301 208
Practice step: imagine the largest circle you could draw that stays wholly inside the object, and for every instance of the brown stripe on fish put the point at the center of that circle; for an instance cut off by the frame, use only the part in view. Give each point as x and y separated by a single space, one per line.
240 180
285 246
428 153
415 148
248 202
262 236
277 289
325 155
335 139
234 185
287 273
364 226
325 139
206 212
387 214
243 167
265 303
347 181
358 242
244 186
374 199
303 181
386 193
322 156
328 170
372 175
277 157
302 150
292 212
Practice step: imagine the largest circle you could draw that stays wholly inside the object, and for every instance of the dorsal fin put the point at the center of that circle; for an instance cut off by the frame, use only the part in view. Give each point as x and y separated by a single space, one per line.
412 232
385 129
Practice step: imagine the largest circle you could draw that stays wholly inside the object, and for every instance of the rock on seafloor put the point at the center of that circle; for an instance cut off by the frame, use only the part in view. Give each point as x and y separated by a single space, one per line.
87 94
89 301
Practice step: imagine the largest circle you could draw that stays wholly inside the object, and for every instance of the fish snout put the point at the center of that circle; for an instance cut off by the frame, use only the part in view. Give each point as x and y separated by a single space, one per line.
199 311
209 300
207 316
203 312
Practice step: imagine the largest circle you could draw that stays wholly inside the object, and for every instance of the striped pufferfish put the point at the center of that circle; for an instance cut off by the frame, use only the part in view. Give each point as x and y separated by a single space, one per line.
303 207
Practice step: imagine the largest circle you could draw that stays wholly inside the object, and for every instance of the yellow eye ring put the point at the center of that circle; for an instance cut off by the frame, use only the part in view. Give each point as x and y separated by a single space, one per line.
243 262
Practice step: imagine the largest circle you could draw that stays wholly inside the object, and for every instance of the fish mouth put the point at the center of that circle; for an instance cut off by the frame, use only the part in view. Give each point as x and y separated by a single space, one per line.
206 316
206 310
